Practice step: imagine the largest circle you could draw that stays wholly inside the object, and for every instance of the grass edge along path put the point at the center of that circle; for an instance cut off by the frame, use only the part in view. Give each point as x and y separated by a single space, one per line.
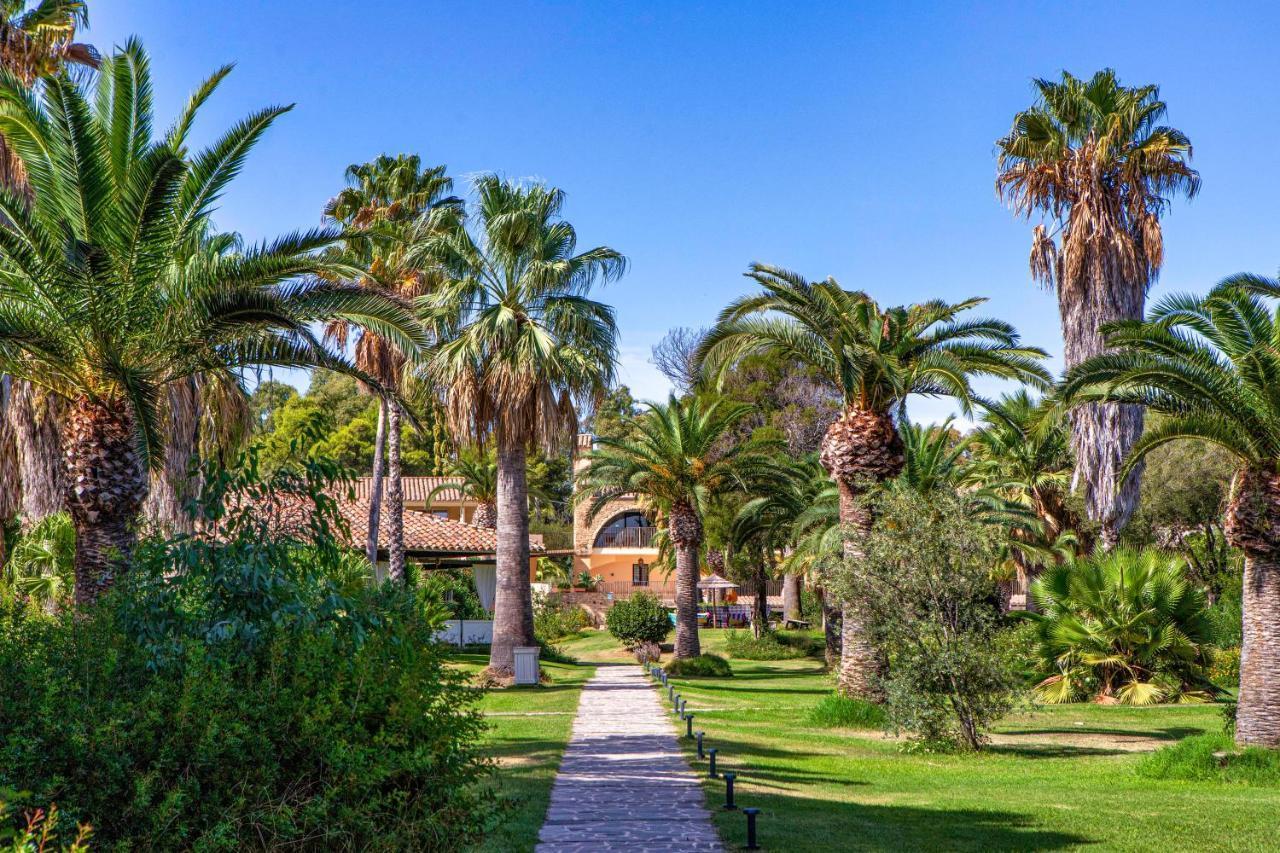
1060 778
529 729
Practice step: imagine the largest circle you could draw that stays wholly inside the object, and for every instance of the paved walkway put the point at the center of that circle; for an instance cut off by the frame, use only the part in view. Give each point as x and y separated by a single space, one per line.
624 783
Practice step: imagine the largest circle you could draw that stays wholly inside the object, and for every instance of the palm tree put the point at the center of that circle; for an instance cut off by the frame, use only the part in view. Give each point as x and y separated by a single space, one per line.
1092 159
876 357
35 43
673 456
385 201
474 475
519 342
1210 366
1124 626
98 305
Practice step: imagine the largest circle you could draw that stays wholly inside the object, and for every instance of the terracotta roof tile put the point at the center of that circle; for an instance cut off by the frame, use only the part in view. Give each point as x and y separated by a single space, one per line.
416 489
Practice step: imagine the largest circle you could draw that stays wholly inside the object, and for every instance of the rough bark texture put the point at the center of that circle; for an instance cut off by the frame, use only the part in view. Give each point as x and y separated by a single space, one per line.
375 492
791 610
10 476
1101 433
107 484
860 448
760 616
175 485
1253 526
485 517
36 417
395 497
513 602
686 535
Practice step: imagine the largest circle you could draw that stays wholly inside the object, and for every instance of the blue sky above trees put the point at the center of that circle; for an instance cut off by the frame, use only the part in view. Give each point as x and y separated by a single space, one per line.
696 138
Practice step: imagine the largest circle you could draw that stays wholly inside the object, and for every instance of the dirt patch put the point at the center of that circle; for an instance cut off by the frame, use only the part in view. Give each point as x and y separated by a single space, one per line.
1110 741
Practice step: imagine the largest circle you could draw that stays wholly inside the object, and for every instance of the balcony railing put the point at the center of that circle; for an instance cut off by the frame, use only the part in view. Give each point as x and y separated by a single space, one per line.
626 537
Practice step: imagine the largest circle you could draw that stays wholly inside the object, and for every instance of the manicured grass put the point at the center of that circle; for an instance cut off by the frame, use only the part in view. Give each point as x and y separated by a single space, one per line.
529 729
1061 777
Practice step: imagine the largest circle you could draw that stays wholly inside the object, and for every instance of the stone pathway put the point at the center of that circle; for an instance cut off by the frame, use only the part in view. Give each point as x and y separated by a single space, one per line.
624 783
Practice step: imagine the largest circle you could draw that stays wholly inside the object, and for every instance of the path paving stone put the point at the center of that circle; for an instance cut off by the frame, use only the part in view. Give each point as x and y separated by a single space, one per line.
624 783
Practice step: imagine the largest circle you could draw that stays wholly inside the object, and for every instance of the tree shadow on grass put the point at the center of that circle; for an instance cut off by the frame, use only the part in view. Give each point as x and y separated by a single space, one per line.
1170 733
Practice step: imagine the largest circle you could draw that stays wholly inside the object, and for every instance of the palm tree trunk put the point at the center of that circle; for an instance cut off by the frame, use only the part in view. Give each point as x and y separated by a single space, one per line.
1258 709
791 611
375 487
35 417
859 663
760 623
174 486
830 629
395 496
10 476
110 486
513 601
686 535
485 517
1102 433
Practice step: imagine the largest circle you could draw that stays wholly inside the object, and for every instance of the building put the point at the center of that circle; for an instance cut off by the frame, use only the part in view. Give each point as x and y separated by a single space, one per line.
617 544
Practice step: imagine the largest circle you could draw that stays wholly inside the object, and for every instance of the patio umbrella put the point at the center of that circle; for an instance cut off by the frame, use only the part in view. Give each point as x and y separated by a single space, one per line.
716 582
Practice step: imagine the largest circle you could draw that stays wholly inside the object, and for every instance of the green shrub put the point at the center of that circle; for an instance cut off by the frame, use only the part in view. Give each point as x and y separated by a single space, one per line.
38 832
1123 625
554 619
704 665
642 618
836 711
1225 669
40 566
246 690
1192 759
768 646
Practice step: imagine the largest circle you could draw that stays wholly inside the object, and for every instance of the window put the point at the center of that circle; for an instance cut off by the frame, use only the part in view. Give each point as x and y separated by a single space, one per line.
441 513
627 530
639 574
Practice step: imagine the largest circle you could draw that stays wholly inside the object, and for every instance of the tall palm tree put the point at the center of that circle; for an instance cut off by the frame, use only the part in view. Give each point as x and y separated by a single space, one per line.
673 456
519 342
474 475
876 357
35 43
95 307
1211 366
1093 160
385 201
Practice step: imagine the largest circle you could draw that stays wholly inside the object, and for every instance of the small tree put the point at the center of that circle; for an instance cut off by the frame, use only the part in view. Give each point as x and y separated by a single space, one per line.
924 590
639 620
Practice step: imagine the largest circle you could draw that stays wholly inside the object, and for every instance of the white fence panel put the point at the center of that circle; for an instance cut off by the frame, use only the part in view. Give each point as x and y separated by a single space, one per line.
467 632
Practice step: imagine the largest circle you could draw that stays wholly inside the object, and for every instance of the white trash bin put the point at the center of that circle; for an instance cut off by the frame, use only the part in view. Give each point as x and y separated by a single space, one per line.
526 664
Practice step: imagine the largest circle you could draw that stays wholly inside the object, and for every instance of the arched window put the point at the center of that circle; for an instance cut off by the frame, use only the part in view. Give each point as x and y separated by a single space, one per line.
626 530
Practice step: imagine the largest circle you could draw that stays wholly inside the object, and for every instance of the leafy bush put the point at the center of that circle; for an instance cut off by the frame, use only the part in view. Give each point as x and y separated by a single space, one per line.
38 833
770 645
1225 669
704 665
1123 626
924 590
844 712
1193 759
554 619
40 568
642 618
246 688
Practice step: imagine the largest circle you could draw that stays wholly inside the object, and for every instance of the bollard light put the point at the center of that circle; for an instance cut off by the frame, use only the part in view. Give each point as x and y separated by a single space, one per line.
683 704
688 721
729 776
701 755
711 766
751 828
671 691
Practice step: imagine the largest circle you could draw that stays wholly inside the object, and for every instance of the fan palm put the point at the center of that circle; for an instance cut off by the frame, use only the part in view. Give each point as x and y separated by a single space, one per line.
519 342
35 42
41 567
101 304
388 199
1211 366
1092 158
1124 626
673 457
876 357
474 475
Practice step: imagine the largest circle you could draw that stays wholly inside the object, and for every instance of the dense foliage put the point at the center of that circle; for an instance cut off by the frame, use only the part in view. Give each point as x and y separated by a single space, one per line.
1123 626
705 665
639 620
924 591
247 688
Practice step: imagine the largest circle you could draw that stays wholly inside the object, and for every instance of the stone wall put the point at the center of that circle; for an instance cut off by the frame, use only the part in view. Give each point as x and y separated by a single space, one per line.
596 604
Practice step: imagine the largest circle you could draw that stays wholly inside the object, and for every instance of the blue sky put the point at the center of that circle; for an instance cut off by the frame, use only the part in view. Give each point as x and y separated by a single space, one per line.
852 140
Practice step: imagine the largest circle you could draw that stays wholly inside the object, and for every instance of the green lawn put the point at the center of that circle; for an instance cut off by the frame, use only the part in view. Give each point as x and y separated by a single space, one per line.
530 728
1057 778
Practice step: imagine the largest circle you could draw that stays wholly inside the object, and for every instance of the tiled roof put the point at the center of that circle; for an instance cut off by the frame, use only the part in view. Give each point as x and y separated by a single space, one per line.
416 489
423 532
